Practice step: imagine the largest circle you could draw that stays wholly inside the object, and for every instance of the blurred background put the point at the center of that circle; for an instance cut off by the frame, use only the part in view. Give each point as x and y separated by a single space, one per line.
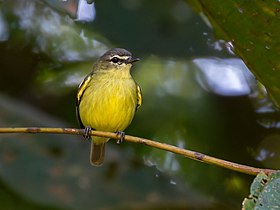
197 94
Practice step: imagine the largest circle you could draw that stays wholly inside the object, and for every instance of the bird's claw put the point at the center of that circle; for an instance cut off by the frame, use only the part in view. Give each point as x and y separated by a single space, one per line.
87 132
121 134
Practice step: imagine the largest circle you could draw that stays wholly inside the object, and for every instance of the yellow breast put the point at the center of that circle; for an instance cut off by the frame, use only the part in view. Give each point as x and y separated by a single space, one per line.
109 102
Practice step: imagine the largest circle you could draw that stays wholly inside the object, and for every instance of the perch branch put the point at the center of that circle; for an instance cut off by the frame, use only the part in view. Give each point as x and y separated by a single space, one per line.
184 152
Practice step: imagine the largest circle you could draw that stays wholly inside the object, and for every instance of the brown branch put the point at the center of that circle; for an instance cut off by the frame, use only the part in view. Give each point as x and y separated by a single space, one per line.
184 152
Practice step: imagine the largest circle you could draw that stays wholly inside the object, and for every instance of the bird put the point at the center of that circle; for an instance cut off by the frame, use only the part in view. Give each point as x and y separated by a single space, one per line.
107 99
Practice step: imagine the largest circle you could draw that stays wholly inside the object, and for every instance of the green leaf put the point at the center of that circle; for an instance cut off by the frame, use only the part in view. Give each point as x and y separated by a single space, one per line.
252 28
264 193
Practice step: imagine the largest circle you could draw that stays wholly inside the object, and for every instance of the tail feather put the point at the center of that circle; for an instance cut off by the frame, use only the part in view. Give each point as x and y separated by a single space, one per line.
97 153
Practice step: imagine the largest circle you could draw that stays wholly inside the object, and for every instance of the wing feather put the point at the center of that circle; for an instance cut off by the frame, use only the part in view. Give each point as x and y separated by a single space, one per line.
81 90
139 96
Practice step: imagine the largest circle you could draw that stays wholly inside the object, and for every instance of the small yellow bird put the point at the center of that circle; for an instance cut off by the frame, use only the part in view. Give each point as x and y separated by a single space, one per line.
107 99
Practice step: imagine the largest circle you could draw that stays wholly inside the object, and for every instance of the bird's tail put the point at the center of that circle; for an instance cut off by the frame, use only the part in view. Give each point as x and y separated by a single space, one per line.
97 153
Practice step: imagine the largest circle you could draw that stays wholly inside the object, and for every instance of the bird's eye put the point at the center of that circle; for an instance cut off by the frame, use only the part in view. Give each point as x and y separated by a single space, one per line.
115 60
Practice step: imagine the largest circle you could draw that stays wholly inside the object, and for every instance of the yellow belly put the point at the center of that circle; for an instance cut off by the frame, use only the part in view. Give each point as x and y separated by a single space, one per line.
109 105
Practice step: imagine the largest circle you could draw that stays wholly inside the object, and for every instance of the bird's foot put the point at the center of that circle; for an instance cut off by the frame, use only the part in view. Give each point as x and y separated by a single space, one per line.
87 132
121 134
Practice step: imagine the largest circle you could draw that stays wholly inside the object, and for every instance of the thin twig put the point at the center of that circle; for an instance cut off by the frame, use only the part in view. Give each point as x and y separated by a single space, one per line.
184 152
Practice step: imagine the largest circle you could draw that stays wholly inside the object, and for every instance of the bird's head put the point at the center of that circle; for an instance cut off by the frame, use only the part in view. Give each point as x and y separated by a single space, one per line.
116 59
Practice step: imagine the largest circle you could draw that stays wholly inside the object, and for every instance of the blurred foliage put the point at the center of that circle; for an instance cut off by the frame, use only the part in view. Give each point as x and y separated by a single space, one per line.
264 193
45 53
252 29
11 200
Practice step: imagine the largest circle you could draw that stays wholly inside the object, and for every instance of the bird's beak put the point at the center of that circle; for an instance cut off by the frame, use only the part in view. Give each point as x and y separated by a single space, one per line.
133 59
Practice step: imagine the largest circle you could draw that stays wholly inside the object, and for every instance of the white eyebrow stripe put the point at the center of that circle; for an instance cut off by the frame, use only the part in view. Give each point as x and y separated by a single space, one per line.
124 57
